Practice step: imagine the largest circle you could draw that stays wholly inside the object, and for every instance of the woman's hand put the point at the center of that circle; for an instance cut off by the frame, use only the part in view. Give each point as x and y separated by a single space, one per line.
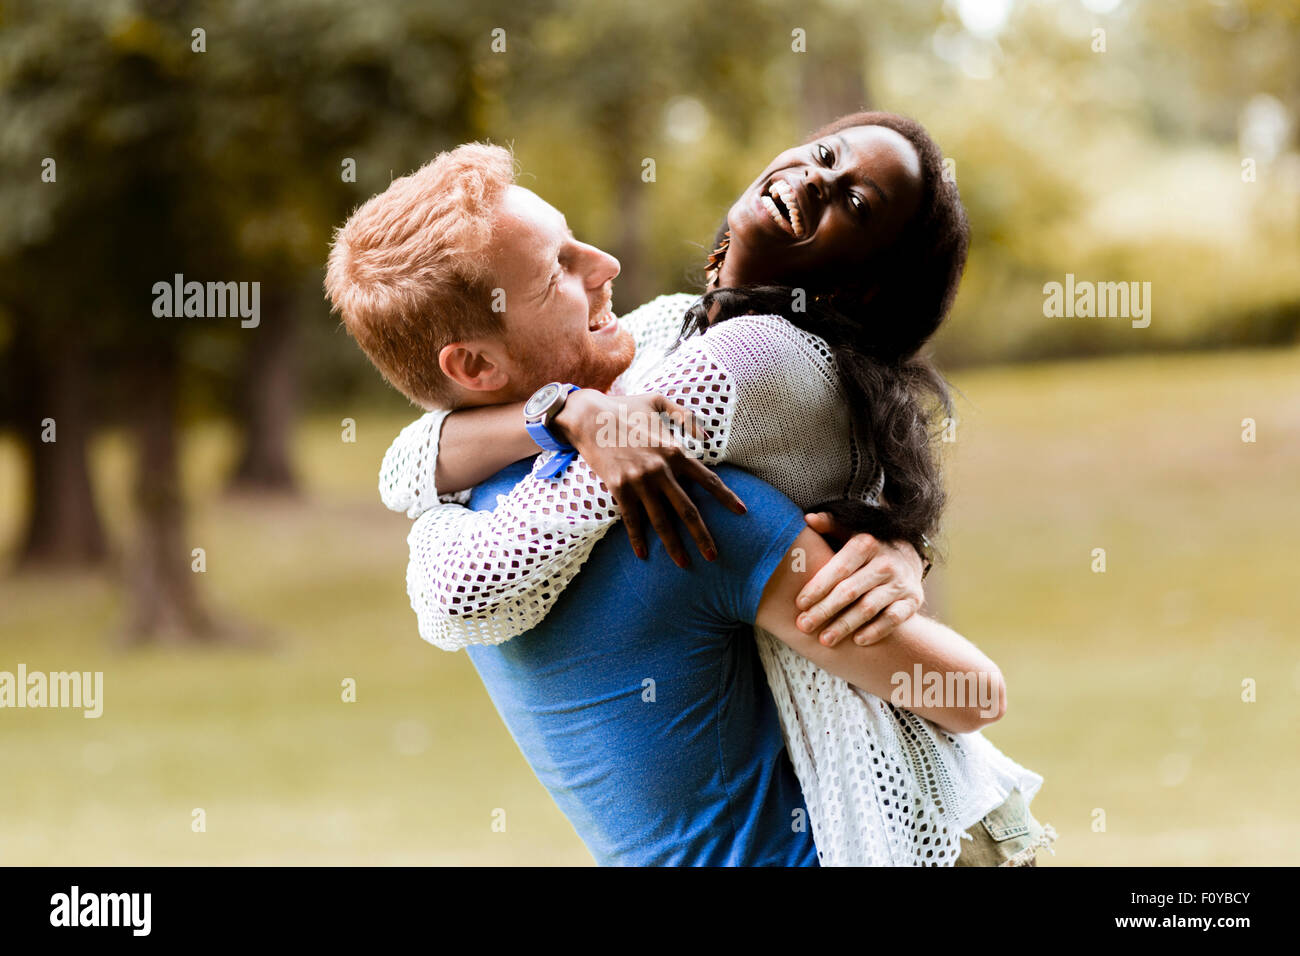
866 590
626 441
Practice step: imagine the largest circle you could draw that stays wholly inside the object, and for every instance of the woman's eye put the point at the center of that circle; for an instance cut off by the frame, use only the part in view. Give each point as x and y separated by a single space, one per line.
824 154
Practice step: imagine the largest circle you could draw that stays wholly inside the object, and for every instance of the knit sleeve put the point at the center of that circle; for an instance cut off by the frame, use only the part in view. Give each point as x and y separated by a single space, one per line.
483 577
406 477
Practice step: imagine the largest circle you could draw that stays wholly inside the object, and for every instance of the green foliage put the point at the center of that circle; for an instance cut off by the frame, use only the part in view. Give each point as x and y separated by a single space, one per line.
227 163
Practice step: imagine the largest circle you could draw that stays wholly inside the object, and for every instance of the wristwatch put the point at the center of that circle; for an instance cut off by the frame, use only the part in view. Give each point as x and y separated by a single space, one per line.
539 416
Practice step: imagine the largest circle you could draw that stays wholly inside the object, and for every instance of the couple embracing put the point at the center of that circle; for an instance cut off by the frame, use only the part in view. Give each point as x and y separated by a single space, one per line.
761 705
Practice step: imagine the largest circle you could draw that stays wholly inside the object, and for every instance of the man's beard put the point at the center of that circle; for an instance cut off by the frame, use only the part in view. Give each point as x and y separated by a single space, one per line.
591 368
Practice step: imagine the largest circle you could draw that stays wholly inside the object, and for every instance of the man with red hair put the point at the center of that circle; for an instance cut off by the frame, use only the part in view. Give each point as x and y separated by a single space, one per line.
432 279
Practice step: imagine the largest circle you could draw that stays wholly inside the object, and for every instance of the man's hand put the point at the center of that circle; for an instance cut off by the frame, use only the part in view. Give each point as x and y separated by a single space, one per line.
628 444
866 590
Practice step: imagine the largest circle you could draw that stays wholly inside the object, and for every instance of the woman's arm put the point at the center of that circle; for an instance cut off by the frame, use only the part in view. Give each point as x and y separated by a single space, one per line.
779 419
476 443
484 577
621 438
961 688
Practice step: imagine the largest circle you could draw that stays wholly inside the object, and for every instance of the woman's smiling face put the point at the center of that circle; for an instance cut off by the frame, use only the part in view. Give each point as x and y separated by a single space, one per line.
823 207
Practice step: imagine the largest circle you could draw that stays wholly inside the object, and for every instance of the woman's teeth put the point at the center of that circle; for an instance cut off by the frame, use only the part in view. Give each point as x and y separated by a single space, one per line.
783 191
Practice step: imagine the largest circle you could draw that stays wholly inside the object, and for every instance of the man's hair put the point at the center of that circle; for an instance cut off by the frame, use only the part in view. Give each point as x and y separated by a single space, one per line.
408 272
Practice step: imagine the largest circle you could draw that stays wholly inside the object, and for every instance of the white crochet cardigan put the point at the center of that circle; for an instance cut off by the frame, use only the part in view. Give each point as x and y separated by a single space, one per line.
883 786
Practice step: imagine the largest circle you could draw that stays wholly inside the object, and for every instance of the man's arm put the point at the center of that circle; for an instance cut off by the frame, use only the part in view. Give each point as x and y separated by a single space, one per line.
887 668
476 443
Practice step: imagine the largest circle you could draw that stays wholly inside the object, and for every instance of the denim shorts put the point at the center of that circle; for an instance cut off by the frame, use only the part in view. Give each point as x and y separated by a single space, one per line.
1008 836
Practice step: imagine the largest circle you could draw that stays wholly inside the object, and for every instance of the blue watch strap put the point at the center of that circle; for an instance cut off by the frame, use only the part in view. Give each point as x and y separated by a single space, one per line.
554 468
544 437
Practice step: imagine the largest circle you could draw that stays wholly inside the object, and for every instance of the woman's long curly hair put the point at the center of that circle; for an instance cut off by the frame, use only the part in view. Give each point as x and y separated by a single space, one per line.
895 394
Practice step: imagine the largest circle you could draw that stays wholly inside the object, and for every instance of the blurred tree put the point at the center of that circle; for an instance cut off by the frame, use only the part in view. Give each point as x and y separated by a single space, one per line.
314 86
50 411
44 246
161 138
833 75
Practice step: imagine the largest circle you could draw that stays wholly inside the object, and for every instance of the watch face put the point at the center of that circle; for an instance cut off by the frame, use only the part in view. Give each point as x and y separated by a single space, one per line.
542 399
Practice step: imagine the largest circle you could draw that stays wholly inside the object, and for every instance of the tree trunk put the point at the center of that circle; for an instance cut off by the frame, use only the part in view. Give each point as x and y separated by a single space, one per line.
833 83
634 283
267 401
63 527
164 597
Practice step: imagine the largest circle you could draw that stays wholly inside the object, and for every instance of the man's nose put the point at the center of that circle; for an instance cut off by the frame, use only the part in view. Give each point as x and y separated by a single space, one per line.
600 267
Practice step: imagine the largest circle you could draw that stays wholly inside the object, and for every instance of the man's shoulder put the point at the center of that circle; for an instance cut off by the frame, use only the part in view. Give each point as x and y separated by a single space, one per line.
766 508
738 478
749 545
483 496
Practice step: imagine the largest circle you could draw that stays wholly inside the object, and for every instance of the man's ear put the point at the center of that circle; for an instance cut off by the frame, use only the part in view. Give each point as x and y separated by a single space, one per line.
474 365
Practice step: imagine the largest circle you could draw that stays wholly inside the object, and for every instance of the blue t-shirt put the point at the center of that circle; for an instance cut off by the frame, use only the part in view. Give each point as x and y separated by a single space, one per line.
640 701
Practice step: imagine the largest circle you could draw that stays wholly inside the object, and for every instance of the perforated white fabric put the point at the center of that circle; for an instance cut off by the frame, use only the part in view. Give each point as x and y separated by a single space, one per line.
883 787
406 478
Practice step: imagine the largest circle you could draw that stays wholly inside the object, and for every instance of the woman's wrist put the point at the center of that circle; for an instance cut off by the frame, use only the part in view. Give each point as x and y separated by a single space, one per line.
578 412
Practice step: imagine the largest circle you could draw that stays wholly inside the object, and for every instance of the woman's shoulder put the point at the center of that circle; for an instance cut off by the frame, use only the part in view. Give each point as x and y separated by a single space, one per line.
752 355
674 300
773 336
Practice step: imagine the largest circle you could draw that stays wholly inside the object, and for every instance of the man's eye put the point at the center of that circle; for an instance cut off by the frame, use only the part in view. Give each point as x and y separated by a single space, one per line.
824 154
860 205
550 286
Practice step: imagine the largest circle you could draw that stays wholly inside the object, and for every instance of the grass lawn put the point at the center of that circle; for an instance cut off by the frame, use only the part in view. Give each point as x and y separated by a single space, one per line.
1126 686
